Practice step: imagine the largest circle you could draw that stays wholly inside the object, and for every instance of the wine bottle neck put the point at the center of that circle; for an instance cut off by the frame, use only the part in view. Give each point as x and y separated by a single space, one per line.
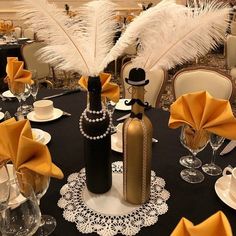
94 89
138 93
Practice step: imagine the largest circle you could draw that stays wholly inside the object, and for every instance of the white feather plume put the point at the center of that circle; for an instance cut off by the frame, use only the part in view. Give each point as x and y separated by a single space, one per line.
182 37
140 23
98 18
78 44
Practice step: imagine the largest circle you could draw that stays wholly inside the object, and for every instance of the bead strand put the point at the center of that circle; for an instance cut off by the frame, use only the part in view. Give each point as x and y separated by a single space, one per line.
94 112
99 136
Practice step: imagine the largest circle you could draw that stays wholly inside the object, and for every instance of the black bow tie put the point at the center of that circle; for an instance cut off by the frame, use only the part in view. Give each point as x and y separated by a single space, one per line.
138 115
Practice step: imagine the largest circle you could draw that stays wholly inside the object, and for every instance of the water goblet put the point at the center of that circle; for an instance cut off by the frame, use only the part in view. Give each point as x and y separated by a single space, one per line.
195 141
211 168
34 87
110 105
4 187
22 216
40 184
17 89
188 160
25 107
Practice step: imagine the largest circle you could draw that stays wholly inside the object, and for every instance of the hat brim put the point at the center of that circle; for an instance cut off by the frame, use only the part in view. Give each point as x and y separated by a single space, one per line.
136 83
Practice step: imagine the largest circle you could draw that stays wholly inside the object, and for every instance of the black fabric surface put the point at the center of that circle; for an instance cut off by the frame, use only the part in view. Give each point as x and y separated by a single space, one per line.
196 202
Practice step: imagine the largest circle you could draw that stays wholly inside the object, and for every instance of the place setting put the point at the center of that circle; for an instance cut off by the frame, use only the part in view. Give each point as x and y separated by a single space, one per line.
44 111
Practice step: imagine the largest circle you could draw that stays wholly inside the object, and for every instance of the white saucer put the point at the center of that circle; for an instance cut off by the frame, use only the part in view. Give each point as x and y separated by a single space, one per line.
8 94
114 146
222 190
41 136
1 115
121 105
57 113
46 138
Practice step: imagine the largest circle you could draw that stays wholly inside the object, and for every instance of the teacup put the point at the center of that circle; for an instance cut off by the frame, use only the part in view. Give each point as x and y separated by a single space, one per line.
232 186
119 133
43 109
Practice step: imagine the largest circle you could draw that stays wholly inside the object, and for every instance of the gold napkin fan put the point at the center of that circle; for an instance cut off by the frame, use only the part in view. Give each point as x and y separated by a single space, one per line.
17 76
31 159
203 112
216 225
109 90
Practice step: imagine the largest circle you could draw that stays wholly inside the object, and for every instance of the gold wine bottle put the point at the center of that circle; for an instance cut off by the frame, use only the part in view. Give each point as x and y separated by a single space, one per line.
137 143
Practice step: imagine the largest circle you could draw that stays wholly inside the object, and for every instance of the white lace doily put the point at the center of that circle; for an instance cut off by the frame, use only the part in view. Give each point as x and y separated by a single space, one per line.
108 214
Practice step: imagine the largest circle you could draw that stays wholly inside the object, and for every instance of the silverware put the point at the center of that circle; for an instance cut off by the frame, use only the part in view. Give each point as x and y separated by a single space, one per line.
123 117
62 93
154 140
66 113
229 147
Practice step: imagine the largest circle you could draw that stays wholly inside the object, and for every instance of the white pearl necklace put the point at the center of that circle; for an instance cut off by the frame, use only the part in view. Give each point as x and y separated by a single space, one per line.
84 115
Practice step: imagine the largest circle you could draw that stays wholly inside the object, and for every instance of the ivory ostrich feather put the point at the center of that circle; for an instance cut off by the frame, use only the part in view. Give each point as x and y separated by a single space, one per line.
140 23
78 44
182 37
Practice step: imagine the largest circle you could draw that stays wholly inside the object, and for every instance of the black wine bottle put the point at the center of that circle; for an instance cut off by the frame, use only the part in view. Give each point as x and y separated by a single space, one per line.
95 124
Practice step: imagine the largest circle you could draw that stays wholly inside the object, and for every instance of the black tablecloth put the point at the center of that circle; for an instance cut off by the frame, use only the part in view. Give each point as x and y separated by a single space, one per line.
193 201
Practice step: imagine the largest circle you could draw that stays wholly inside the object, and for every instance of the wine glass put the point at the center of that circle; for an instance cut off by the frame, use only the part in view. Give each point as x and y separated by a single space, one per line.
211 168
110 105
22 217
17 89
195 141
34 88
25 107
4 187
40 184
188 160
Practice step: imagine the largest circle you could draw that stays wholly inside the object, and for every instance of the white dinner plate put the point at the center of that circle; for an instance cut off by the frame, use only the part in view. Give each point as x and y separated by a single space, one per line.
8 94
114 146
46 138
121 105
1 115
222 190
57 113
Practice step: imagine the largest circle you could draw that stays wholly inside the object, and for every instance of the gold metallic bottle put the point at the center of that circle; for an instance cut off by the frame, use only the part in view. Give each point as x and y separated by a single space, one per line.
137 143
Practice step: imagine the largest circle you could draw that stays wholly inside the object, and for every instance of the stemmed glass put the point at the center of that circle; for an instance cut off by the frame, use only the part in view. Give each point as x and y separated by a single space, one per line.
22 216
17 89
188 161
110 105
211 168
40 184
4 192
4 187
25 107
34 87
194 141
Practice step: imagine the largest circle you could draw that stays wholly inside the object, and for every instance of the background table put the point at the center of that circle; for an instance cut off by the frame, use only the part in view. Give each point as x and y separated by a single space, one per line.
195 202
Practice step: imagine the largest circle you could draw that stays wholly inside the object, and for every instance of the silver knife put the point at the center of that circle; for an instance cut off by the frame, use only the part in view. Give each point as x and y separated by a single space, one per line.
229 147
62 93
123 117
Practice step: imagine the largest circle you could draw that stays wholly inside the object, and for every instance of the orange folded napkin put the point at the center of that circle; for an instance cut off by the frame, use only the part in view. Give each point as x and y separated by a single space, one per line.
16 75
6 27
203 112
217 224
31 159
109 90
5 154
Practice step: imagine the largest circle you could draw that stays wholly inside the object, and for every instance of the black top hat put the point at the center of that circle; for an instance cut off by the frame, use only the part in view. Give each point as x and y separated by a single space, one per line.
137 77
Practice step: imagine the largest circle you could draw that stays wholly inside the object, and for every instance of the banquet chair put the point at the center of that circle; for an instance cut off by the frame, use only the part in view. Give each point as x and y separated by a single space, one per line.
193 79
157 81
31 59
29 33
